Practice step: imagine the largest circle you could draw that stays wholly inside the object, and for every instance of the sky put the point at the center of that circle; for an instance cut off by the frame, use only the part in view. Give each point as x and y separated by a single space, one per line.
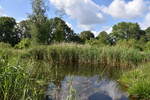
81 15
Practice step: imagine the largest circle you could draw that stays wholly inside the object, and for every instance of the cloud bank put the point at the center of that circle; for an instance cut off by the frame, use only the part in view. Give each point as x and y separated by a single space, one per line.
126 10
85 12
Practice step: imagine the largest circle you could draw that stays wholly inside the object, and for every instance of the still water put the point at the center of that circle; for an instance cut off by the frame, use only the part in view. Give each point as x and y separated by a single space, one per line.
84 83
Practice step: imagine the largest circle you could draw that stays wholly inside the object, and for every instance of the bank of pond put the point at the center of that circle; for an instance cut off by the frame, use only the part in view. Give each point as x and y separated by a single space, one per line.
74 72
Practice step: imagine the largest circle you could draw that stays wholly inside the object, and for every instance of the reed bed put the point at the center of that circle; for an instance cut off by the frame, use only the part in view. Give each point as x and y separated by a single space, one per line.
85 54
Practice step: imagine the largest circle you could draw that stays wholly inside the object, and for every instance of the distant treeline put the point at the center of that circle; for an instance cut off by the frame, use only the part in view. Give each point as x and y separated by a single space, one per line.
56 30
39 29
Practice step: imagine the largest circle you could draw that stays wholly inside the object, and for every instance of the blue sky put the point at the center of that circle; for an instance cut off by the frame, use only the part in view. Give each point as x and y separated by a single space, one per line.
95 15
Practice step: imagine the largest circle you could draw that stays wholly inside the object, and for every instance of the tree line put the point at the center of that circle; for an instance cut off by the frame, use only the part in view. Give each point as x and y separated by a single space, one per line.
39 29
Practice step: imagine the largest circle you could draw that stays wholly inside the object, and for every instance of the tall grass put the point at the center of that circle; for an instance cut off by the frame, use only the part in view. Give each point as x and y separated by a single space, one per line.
85 54
13 81
16 81
137 82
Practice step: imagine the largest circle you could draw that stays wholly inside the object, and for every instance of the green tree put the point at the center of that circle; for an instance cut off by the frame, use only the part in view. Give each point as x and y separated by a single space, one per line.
147 32
60 31
7 31
86 35
103 37
39 26
76 38
126 30
23 28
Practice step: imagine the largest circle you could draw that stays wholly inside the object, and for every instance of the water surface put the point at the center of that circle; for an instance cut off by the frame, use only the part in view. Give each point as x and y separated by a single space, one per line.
84 83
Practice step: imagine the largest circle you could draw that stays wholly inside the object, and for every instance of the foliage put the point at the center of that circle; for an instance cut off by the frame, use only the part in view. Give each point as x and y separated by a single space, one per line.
132 43
60 31
103 38
148 34
86 35
23 28
147 46
137 81
126 30
7 31
39 28
24 43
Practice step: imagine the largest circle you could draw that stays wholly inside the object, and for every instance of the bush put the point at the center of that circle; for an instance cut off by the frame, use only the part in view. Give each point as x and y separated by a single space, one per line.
132 43
147 46
24 43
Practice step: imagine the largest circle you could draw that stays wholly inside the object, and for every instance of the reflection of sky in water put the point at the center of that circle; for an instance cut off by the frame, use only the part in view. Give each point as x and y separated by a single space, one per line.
87 89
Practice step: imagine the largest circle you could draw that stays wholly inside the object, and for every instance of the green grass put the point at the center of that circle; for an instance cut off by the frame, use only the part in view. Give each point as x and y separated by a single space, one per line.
22 79
137 82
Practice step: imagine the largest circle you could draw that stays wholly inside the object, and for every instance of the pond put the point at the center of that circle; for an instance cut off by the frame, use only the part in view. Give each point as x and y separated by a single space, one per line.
84 83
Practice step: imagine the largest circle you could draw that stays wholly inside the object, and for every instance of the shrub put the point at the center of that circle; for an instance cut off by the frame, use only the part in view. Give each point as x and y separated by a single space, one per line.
24 43
132 43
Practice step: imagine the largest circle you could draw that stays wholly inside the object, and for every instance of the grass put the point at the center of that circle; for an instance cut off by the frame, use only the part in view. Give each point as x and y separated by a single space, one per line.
13 79
137 82
21 79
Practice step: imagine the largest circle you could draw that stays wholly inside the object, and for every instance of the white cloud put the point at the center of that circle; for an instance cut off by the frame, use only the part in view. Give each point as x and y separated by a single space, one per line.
109 30
126 10
146 22
70 25
96 33
85 12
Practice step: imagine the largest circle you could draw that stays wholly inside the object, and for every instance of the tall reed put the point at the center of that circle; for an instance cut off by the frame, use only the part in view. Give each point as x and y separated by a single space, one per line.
85 54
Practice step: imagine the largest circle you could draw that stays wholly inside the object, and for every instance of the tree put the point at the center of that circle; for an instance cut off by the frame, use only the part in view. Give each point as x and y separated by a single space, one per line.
76 38
147 32
127 31
39 26
86 35
23 28
7 31
103 37
60 31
